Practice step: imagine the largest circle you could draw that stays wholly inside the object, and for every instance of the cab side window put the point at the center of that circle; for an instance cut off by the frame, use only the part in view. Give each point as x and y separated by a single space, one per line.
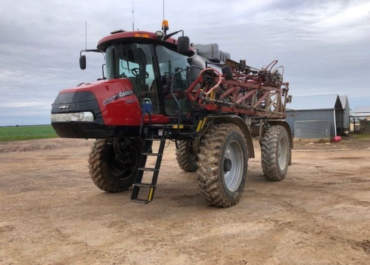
174 69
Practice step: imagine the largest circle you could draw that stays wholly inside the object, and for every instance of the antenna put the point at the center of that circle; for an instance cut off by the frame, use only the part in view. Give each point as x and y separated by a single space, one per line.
133 15
164 21
163 9
85 35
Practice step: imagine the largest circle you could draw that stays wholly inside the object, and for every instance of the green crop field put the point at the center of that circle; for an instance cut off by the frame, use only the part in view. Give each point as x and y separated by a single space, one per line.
16 133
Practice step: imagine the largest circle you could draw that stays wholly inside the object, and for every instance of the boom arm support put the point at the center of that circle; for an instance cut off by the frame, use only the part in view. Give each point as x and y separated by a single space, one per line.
259 93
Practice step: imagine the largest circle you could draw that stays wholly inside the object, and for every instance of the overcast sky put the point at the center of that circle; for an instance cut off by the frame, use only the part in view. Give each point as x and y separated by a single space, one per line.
324 45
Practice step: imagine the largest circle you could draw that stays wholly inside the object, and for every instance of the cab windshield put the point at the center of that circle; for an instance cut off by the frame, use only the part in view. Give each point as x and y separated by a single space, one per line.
134 62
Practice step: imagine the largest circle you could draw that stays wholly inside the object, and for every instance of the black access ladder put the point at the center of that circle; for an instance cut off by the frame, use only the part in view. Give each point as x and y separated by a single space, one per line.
139 186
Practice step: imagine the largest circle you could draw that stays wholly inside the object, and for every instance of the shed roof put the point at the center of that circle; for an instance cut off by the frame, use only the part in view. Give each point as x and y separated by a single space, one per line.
315 102
362 110
344 100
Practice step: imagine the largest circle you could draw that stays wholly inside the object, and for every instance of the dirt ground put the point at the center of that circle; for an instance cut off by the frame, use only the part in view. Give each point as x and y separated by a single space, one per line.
51 213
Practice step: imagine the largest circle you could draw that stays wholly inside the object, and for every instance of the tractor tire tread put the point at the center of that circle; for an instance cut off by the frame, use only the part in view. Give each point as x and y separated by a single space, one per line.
208 169
185 156
269 146
96 170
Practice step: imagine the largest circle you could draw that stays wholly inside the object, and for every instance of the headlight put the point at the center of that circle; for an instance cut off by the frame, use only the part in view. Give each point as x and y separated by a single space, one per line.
76 116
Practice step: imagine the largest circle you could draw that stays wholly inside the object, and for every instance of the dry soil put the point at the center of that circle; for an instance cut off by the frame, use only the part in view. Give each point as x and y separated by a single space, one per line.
51 213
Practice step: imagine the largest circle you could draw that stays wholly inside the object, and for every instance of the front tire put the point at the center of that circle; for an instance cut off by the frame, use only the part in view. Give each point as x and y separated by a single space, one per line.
223 164
275 152
114 163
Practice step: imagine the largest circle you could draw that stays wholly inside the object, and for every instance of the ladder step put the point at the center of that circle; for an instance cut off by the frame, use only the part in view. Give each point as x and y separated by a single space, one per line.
147 169
141 201
136 190
143 185
148 189
150 154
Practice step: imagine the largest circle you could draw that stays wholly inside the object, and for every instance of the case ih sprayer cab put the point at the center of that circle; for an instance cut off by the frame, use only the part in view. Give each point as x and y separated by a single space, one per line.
157 88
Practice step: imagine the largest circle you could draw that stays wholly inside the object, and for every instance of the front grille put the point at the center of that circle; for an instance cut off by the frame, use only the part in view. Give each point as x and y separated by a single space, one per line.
77 102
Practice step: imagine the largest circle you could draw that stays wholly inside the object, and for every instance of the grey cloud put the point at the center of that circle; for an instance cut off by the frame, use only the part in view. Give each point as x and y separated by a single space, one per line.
40 42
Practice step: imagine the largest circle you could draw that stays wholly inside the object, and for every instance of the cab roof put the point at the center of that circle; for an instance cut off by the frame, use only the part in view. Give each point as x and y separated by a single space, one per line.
135 36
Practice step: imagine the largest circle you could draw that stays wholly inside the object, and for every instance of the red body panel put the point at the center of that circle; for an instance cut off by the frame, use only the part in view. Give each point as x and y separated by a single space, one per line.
123 111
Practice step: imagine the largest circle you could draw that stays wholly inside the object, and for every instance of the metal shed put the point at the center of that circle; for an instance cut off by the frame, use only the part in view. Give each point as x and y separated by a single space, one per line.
361 113
360 119
318 116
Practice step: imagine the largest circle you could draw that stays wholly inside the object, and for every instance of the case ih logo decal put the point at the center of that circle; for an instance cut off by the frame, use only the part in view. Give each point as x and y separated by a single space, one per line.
63 107
121 94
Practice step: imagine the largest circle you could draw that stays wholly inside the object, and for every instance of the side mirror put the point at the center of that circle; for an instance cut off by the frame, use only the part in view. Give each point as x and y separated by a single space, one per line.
289 99
183 44
83 62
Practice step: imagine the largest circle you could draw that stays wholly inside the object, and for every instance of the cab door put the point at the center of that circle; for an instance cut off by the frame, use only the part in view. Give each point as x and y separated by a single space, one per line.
134 61
173 71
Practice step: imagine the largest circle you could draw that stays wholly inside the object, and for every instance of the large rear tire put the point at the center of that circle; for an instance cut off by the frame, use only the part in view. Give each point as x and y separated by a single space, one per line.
114 163
186 158
223 164
275 152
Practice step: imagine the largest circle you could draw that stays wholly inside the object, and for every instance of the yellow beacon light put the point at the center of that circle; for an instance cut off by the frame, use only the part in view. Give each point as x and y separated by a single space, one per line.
165 25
